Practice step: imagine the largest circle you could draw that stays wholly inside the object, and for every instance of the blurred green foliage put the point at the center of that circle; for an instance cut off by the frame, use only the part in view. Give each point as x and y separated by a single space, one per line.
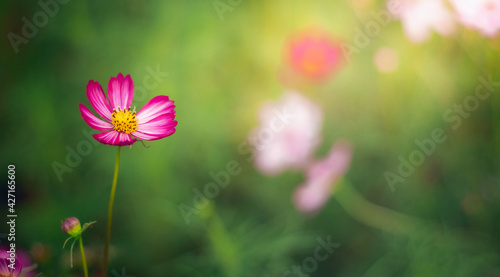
219 73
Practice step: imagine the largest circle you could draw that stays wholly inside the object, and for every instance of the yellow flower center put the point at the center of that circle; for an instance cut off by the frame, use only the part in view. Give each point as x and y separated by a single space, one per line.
124 120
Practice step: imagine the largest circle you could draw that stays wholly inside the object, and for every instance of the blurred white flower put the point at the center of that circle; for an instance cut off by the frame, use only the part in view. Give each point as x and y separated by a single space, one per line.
419 17
482 15
321 178
288 134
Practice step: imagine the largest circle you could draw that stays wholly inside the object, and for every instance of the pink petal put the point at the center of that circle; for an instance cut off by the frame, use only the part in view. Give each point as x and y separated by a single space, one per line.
120 92
321 178
157 106
160 127
98 100
93 121
160 122
114 138
144 136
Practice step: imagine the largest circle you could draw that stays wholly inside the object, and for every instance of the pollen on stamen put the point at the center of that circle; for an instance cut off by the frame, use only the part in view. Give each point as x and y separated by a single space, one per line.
124 121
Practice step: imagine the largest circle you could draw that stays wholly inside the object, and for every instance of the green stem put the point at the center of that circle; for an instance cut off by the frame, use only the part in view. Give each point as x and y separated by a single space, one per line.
110 213
84 261
373 215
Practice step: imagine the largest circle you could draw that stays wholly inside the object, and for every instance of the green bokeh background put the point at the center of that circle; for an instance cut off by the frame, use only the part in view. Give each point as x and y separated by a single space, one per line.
220 70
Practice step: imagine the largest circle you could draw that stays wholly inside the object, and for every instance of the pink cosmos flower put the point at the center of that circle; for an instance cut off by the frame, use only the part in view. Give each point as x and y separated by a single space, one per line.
315 55
288 134
321 178
154 121
482 15
419 17
6 269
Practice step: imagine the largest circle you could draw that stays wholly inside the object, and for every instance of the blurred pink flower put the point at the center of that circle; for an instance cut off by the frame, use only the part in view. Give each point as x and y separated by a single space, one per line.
23 260
154 121
315 55
482 15
288 134
419 17
6 269
386 60
321 178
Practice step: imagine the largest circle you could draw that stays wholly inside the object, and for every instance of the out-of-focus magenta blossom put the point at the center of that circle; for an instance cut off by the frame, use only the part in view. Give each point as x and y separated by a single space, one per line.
481 15
419 17
321 178
8 269
154 121
288 133
315 55
386 60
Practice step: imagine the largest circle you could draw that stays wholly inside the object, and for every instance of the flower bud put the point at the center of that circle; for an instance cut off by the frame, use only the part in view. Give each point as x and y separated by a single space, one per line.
71 226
